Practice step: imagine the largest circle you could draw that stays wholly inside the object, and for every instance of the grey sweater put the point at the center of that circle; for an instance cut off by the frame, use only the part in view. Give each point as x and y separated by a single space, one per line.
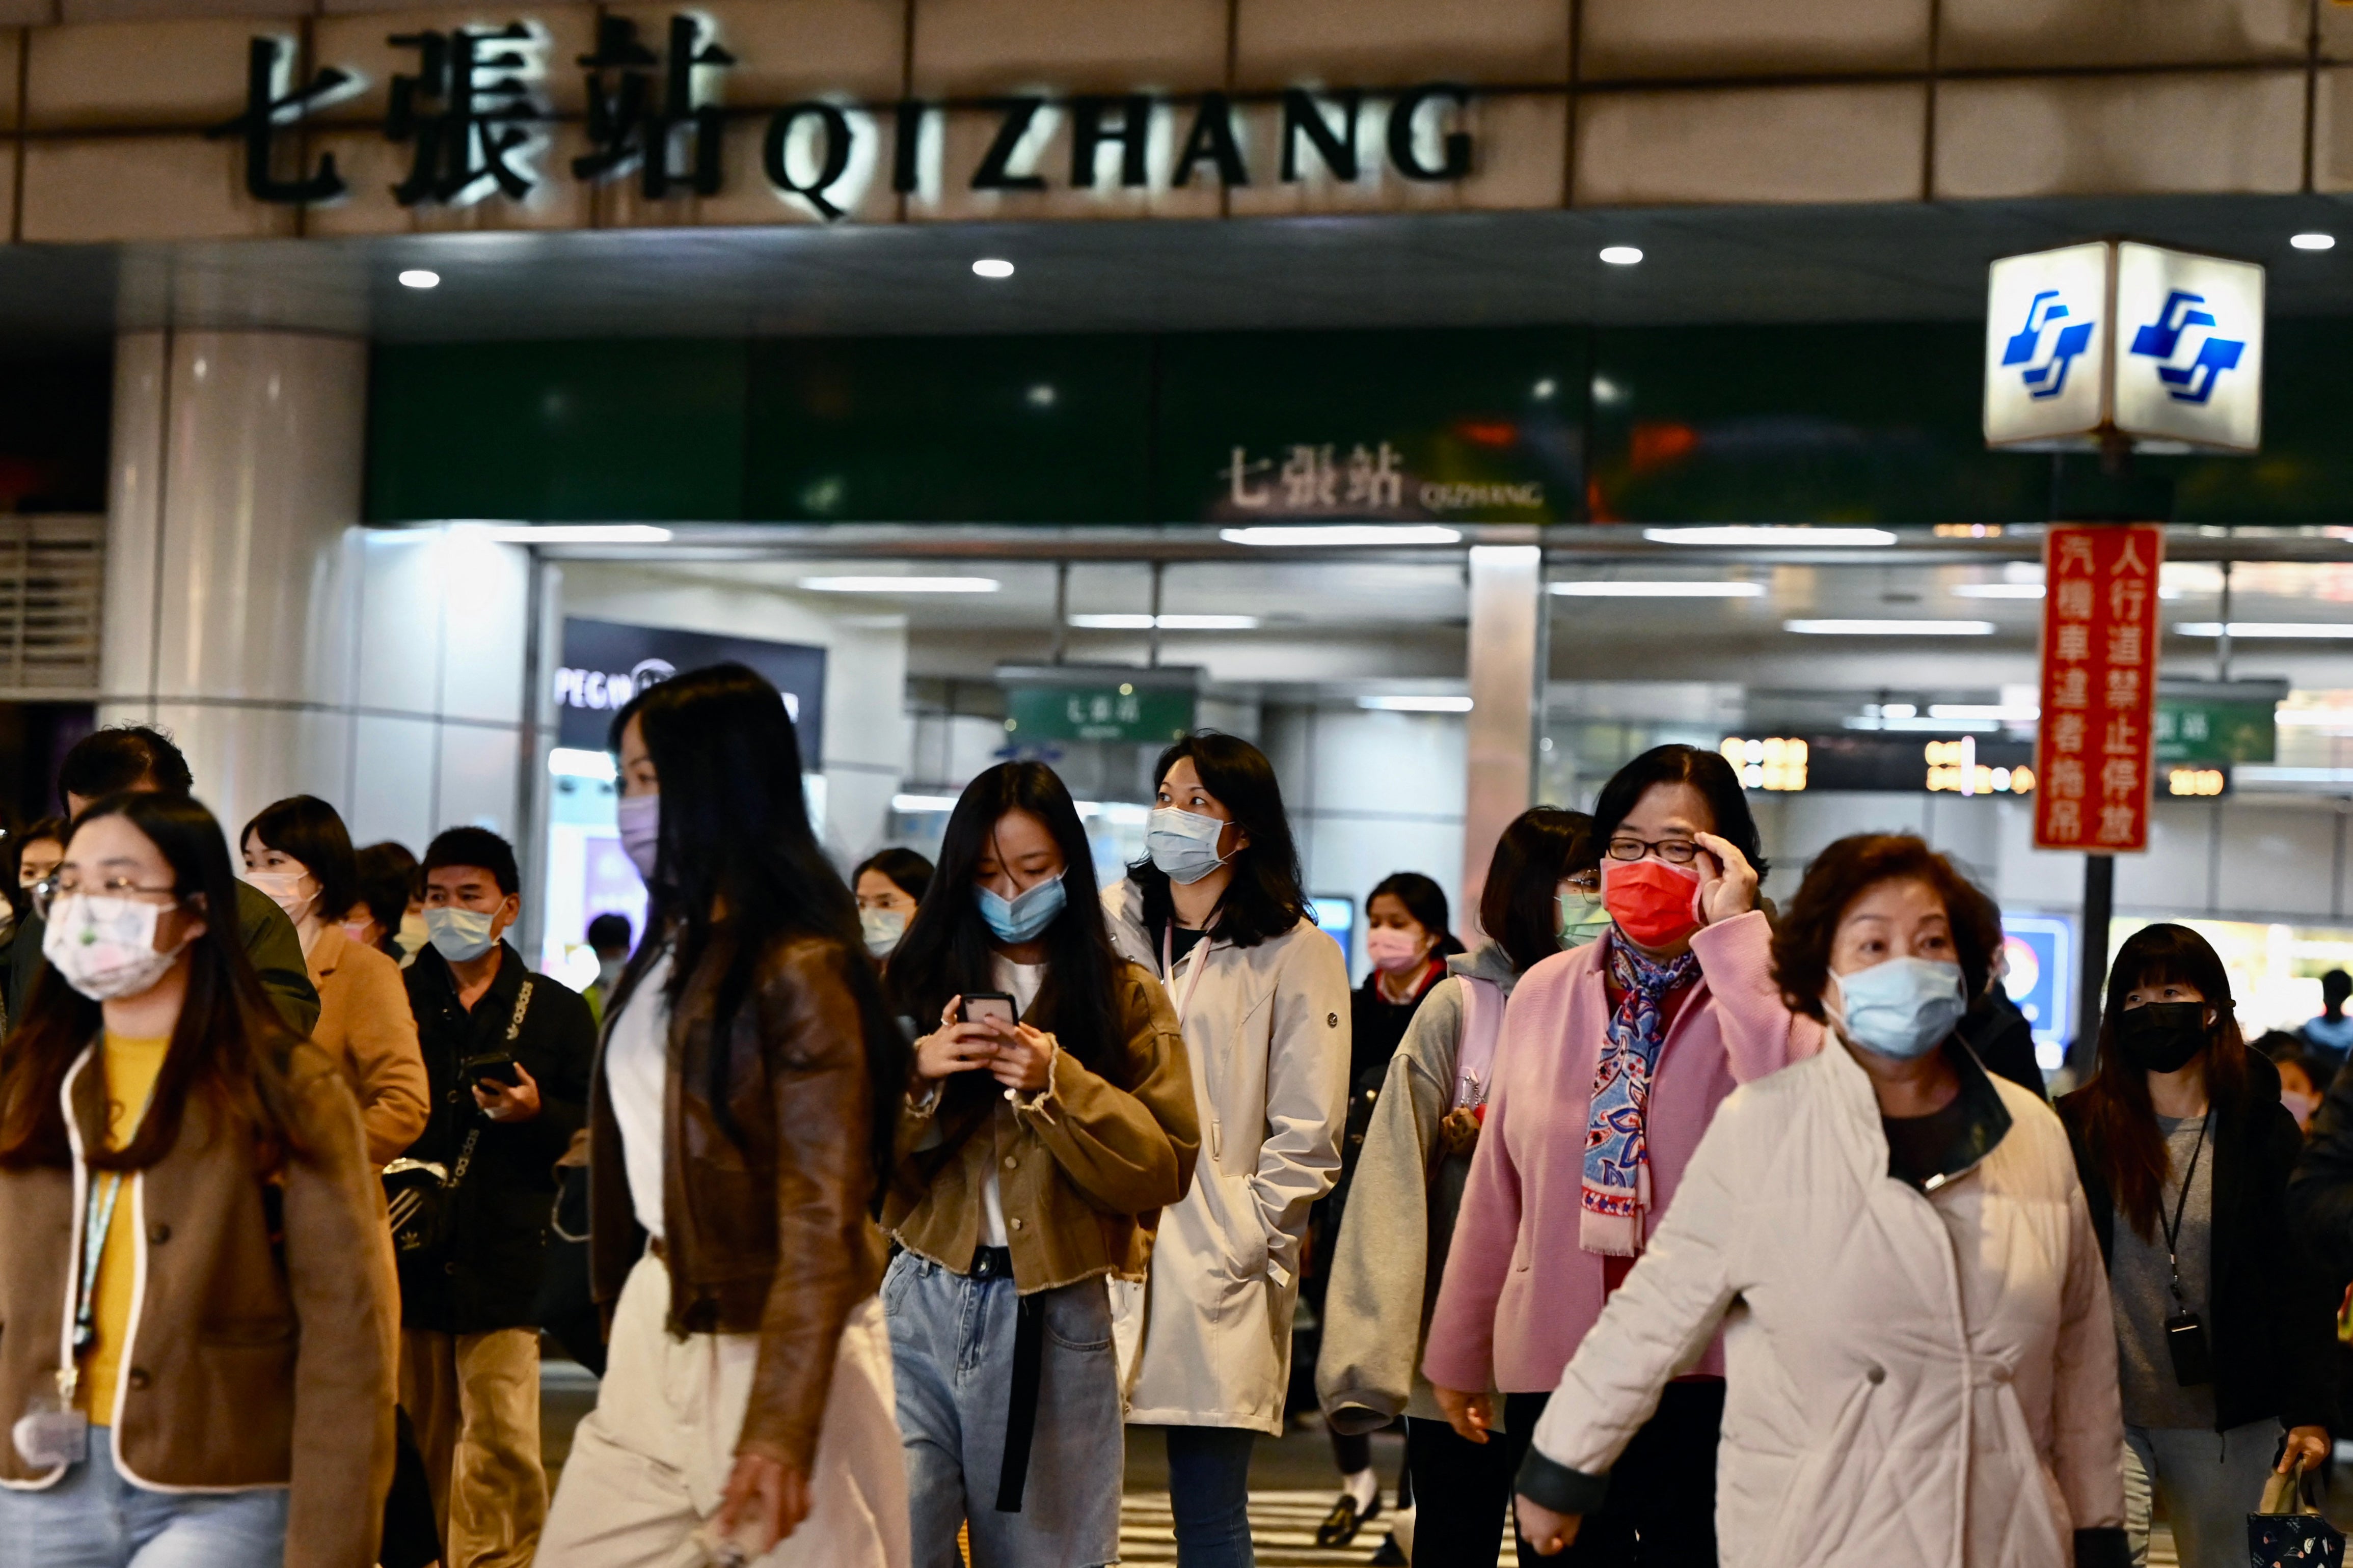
1391 1250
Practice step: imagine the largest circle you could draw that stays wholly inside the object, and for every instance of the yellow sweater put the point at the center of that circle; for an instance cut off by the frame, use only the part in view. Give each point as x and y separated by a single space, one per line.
131 1067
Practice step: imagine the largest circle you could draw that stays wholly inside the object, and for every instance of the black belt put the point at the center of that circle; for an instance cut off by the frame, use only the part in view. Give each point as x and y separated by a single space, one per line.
1029 1356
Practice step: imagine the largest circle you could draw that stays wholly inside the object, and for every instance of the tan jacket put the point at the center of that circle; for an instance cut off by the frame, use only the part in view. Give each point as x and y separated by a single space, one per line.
253 1362
1084 1167
366 1026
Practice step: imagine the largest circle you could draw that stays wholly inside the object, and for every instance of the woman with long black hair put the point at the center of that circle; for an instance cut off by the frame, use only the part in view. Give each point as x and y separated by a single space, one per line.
1263 996
1054 1120
2224 1329
741 1119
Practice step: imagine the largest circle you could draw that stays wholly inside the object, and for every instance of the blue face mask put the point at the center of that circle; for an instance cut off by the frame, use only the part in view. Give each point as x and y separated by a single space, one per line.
1903 1008
1023 916
1184 844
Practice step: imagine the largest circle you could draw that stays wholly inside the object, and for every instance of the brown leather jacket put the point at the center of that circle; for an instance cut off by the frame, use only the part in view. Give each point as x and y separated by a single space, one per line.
1084 1167
770 1237
256 1361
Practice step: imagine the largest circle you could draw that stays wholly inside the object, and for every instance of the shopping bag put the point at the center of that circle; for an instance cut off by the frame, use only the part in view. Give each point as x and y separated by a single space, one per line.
2286 1532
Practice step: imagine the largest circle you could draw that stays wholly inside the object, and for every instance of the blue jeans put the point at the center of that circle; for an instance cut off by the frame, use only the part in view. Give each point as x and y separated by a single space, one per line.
952 1358
93 1517
1208 1492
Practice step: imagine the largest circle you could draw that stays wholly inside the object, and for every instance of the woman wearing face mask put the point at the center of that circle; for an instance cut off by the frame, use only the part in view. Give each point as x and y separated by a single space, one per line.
1216 910
889 885
2224 1328
384 874
1617 1055
32 855
1893 1245
741 1123
298 852
198 1364
1052 1117
1409 1183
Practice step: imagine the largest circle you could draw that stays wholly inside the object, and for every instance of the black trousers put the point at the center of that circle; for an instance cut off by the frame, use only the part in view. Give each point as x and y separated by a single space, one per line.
1661 1511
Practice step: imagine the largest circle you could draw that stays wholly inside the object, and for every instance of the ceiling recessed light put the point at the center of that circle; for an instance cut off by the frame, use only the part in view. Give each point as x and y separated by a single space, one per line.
1340 533
1142 623
1890 628
900 584
1545 388
1625 590
1416 704
1621 255
420 278
992 267
1769 534
2313 241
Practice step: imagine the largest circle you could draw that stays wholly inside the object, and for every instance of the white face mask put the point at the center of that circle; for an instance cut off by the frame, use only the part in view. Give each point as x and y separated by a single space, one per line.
459 935
608 971
413 935
1183 844
105 948
883 930
285 891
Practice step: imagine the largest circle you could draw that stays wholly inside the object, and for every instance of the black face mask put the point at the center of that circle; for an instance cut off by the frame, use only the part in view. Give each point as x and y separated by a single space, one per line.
2161 1036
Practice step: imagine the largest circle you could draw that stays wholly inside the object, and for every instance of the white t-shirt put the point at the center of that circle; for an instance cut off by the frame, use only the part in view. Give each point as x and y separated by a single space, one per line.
636 1058
1020 982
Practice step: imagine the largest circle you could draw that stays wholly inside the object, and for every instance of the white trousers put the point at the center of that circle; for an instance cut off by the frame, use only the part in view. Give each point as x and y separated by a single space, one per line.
649 1465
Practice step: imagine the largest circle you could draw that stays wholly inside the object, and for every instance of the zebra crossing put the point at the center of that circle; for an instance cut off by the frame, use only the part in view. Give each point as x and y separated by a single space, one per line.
1282 1530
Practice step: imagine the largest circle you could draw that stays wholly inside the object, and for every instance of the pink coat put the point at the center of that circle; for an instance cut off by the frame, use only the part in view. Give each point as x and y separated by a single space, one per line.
1520 1293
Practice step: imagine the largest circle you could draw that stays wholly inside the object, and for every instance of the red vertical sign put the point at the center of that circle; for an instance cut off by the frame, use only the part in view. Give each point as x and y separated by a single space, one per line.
2100 635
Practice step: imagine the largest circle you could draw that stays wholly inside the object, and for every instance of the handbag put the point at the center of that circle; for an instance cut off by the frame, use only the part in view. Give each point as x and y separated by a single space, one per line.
2286 1532
420 1195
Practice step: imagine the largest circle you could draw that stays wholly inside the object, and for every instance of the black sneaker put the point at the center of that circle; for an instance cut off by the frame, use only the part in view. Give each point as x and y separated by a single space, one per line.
1341 1526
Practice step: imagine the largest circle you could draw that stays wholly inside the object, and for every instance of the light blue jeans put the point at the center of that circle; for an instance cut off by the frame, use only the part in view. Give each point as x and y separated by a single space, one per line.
93 1517
952 1358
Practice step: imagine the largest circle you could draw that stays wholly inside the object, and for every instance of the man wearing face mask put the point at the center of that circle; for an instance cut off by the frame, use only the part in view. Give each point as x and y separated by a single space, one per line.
508 1053
608 939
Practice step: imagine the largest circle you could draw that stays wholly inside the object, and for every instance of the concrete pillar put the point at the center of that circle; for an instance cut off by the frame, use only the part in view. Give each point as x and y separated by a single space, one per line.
286 648
1507 673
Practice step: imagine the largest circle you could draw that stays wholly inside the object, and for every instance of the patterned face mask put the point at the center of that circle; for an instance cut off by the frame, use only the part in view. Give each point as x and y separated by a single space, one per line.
105 947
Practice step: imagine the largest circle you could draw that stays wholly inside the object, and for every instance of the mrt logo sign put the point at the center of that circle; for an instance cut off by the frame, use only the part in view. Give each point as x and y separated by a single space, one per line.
2100 635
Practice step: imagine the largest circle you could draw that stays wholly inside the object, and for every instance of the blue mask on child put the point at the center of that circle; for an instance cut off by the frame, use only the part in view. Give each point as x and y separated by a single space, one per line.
1023 916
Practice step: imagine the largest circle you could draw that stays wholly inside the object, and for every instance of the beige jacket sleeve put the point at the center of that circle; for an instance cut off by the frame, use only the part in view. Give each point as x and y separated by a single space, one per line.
1306 1094
2087 1414
1127 1151
381 1053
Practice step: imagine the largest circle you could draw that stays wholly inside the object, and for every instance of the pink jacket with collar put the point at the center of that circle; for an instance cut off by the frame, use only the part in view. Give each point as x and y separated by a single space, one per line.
1519 1293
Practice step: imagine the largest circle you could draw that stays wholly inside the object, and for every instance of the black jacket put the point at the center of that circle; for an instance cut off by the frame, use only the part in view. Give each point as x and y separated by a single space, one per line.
268 936
2004 1041
2320 1196
2271 1313
498 1230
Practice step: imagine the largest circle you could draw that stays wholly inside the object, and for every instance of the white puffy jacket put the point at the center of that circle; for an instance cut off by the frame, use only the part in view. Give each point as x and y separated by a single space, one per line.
1914 1380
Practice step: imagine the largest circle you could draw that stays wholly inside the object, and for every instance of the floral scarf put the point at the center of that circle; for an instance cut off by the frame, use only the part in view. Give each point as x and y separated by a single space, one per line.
1617 1141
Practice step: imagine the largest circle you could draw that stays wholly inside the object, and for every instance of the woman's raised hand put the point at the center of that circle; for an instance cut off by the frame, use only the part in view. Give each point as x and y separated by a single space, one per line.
955 1047
1727 882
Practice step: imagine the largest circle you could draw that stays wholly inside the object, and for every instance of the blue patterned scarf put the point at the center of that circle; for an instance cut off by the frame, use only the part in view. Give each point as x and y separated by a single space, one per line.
1617 1141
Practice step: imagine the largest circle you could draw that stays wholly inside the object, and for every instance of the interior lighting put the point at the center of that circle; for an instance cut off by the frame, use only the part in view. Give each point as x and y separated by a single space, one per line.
1644 590
2029 590
420 278
1778 763
2312 242
1836 628
2268 630
1330 533
992 267
2195 781
577 763
1545 388
1995 711
900 584
1769 534
923 802
580 533
1621 255
1416 704
1114 811
1142 623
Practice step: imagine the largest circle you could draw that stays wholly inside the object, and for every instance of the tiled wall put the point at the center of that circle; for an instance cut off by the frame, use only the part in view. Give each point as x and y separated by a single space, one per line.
1584 102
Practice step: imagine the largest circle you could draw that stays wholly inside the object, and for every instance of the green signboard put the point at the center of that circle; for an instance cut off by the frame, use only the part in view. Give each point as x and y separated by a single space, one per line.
1124 711
2217 721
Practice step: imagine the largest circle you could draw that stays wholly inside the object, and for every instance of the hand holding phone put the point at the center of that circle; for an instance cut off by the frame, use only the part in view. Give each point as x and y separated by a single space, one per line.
957 1045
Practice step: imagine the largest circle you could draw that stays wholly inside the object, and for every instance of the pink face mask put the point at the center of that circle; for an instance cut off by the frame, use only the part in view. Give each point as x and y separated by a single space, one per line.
1392 949
2300 1106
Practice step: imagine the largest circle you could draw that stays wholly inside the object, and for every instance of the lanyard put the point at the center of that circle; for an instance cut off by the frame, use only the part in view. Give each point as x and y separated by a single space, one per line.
2173 1231
98 1218
1184 999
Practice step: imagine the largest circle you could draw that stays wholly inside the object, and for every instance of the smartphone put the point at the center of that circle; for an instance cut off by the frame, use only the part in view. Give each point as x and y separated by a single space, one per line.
980 1005
498 1066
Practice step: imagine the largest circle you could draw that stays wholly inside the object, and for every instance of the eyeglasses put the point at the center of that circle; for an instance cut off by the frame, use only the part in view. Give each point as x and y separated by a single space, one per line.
1673 851
46 893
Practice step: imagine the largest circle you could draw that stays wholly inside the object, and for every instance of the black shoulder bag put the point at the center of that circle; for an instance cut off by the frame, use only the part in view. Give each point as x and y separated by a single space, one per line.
420 1195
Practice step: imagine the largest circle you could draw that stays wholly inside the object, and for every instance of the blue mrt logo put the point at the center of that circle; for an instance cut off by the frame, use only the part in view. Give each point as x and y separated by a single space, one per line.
2161 340
2046 373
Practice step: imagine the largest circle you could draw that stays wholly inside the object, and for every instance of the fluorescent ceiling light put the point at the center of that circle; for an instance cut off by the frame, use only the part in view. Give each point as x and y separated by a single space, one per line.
2008 715
1629 590
2027 590
918 803
574 763
1929 726
1749 533
1114 811
2313 241
1417 704
992 267
900 584
581 534
2298 630
1340 533
1141 623
2313 718
1890 628
420 278
1621 255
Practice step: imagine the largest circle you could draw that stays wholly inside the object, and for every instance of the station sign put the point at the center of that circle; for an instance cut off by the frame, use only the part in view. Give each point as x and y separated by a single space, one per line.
1098 702
2100 636
2119 340
605 663
2219 721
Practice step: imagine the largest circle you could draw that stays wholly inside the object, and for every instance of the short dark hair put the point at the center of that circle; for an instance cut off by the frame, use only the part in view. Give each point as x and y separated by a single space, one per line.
2336 986
2280 1045
1518 908
475 847
1423 899
121 757
387 876
307 828
909 872
1264 898
608 931
1706 772
52 828
1842 873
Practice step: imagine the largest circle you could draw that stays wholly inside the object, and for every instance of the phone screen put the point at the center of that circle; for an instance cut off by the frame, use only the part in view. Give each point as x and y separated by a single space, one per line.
976 1008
